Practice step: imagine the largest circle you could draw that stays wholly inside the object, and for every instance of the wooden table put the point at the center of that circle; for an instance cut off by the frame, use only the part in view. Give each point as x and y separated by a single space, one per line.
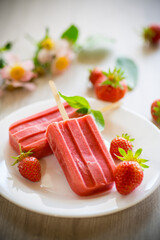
123 21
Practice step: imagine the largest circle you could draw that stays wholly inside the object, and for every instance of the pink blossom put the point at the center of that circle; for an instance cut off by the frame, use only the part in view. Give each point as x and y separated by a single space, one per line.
62 50
17 73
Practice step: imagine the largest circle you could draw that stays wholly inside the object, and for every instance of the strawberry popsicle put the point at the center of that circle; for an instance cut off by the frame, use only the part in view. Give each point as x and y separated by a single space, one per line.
82 155
30 132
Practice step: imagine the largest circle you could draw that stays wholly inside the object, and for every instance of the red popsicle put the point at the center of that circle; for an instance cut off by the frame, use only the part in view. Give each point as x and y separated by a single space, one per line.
82 155
81 152
30 131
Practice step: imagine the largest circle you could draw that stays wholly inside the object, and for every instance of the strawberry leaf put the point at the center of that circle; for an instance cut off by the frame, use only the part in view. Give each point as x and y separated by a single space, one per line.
158 103
122 152
126 136
131 71
138 152
6 47
114 78
71 34
22 155
144 165
140 160
130 156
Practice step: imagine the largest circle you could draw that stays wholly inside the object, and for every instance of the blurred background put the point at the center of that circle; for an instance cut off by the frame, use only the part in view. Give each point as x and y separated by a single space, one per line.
122 21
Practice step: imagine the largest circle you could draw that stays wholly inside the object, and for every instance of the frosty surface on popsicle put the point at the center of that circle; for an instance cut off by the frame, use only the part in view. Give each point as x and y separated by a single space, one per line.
30 132
82 154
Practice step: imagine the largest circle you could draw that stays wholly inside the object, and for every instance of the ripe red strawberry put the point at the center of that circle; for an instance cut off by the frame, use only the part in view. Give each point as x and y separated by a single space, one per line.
96 76
129 173
128 176
123 142
155 110
151 34
112 89
29 167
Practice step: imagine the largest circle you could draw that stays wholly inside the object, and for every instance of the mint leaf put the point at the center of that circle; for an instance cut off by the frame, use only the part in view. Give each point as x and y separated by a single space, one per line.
82 110
71 34
130 69
76 101
97 115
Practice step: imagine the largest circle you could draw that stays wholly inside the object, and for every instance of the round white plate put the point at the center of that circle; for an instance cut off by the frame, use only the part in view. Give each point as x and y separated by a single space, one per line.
53 196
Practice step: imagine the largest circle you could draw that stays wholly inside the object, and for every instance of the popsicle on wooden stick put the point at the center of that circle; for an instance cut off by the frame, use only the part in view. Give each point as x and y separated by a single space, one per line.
81 152
30 131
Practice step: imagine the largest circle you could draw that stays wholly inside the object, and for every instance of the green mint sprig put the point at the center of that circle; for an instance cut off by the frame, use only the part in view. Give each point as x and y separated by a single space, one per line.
84 107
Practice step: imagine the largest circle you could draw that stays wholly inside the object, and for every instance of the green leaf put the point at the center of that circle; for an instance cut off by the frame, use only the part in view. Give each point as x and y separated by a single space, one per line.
144 165
6 47
2 63
122 152
95 46
82 110
107 82
71 34
158 103
141 160
138 152
98 119
76 101
130 69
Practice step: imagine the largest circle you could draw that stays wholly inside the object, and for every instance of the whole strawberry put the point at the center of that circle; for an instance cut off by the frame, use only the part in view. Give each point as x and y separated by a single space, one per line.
155 110
96 76
29 167
124 142
128 176
113 88
151 34
129 173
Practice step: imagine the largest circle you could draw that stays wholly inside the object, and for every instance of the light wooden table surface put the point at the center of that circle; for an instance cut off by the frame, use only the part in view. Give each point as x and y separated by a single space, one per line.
121 20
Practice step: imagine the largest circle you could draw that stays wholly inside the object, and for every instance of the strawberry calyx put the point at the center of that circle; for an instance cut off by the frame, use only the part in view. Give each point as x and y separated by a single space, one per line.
22 155
156 111
148 34
130 156
114 78
127 137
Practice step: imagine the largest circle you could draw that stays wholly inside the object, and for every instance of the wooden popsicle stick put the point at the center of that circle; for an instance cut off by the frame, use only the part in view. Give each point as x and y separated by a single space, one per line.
58 100
110 107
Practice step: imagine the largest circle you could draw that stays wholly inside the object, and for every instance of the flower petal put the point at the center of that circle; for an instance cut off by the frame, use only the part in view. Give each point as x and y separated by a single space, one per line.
5 72
28 76
28 65
11 59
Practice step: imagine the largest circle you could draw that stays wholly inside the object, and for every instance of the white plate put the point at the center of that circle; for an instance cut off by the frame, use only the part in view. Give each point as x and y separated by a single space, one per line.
53 196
